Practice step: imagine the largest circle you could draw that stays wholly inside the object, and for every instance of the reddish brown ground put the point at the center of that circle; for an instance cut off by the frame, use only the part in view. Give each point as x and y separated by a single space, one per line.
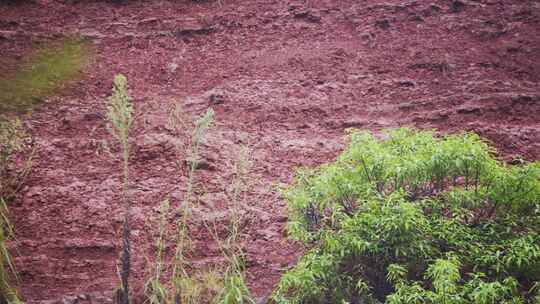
293 75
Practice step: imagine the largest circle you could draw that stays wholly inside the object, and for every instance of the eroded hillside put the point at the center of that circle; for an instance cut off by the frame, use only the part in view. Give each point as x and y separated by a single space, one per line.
285 78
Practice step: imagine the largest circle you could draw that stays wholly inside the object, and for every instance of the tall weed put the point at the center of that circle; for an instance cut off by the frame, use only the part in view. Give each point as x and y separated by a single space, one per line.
120 115
219 283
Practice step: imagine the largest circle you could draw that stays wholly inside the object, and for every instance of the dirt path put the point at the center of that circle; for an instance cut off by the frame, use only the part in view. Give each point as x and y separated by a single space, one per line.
290 76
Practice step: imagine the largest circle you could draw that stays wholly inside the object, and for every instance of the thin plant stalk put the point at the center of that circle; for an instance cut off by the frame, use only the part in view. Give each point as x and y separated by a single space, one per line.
120 114
183 240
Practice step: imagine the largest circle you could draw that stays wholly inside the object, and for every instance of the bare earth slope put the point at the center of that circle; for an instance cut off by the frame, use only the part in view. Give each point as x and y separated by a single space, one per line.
287 77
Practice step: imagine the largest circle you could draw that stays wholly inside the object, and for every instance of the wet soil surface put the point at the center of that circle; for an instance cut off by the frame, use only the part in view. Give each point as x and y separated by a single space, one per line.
285 78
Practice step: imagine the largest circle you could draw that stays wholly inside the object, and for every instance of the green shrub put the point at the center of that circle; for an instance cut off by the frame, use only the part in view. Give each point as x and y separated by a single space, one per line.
415 219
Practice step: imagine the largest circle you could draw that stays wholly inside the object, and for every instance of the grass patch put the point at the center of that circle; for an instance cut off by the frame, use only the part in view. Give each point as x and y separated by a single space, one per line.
45 71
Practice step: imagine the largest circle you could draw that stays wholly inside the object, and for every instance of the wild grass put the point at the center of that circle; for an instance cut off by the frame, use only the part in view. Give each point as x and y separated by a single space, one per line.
47 69
235 289
8 273
183 241
174 279
13 140
183 286
220 283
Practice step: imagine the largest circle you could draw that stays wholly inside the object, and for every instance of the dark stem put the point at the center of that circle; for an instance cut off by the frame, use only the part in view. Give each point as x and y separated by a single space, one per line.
466 175
366 170
125 262
477 178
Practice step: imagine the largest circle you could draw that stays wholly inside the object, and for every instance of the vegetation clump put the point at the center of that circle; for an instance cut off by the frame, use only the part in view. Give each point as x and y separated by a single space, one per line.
13 140
223 283
173 279
45 71
415 219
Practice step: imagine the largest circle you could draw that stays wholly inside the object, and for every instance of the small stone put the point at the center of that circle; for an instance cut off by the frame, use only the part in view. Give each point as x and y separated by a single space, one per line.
172 67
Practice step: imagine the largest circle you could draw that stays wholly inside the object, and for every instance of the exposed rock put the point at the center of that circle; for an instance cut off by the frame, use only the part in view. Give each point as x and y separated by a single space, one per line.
468 109
148 21
407 106
416 18
353 123
7 34
440 116
87 298
92 34
216 97
432 66
308 16
457 6
382 24
406 83
192 27
151 146
203 163
525 98
489 34
431 10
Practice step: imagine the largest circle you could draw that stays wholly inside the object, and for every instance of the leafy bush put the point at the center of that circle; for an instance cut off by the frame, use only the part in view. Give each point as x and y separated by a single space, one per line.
415 219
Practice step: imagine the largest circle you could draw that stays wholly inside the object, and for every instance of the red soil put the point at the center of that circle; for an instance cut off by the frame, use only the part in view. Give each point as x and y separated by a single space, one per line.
293 75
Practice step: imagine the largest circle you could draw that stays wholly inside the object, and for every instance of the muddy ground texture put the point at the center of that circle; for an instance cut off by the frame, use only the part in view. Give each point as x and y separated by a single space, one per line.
285 78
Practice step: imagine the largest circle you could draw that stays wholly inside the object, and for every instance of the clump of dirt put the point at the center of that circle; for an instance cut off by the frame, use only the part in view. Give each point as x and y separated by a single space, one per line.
284 77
